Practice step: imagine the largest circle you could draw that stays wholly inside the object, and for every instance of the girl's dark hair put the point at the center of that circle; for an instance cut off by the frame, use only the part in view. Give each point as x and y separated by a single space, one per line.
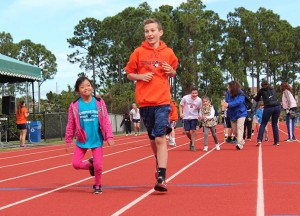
234 88
79 81
19 107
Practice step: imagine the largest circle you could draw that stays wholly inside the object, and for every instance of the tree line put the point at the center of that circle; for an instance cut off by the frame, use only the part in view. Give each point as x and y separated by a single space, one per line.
247 46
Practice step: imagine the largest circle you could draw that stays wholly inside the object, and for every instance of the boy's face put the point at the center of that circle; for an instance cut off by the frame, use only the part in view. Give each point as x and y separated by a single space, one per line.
194 94
152 34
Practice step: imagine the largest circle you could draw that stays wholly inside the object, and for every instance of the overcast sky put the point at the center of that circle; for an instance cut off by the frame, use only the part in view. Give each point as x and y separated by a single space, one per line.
51 22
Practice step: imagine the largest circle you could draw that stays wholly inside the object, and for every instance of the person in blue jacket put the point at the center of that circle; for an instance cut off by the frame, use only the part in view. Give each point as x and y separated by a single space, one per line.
237 111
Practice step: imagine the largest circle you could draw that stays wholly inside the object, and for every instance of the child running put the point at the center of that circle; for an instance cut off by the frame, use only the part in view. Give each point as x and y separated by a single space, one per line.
209 122
173 122
259 114
151 65
135 118
88 120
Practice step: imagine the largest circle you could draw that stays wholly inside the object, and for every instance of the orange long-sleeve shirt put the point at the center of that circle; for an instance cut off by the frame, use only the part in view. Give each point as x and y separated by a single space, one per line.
147 59
174 111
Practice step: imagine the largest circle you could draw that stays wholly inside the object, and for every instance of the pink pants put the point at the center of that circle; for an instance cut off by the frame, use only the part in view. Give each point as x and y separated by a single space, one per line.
98 161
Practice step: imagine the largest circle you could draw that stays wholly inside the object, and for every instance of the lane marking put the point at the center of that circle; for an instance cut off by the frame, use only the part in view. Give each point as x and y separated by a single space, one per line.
260 203
45 170
134 202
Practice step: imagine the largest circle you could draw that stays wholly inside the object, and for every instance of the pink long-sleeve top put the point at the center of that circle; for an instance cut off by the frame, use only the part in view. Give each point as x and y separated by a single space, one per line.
288 100
105 125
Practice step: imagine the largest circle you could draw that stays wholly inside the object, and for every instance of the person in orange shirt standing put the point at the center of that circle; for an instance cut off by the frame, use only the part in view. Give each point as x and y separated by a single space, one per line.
21 115
173 122
151 65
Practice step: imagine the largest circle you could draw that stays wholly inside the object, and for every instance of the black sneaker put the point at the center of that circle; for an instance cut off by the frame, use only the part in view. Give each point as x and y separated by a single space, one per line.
192 148
97 189
161 185
91 160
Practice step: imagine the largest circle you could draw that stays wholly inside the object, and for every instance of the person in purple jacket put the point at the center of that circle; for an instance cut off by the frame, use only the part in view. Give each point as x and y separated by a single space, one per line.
88 121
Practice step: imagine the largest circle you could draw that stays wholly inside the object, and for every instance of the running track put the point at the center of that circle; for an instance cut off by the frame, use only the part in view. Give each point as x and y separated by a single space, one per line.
254 181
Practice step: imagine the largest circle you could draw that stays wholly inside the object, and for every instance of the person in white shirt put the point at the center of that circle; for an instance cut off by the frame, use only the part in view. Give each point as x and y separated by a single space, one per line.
135 118
189 111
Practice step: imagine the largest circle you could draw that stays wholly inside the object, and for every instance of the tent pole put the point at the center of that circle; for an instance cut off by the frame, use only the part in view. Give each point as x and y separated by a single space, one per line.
33 110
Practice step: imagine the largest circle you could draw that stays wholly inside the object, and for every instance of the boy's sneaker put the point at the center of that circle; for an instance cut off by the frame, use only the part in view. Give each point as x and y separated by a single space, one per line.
193 148
171 142
161 185
233 141
218 147
267 139
276 144
205 148
91 169
97 189
258 143
239 147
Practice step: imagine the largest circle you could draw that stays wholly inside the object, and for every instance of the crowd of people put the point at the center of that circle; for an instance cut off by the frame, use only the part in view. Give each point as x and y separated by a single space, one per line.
150 66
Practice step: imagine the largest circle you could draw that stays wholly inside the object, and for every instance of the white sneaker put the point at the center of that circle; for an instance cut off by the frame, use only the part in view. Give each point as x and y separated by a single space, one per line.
135 134
171 143
218 147
126 134
205 148
239 146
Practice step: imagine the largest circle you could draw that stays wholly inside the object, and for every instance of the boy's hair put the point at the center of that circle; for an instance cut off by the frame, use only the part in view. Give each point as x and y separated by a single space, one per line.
194 88
264 84
153 20
260 103
205 98
79 81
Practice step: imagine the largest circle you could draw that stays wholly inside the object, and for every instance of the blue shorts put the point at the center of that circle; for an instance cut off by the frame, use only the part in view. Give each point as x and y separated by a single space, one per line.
136 120
21 126
156 120
190 124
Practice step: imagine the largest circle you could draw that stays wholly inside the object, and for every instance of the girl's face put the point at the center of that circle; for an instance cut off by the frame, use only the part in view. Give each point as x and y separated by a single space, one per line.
205 102
133 106
85 89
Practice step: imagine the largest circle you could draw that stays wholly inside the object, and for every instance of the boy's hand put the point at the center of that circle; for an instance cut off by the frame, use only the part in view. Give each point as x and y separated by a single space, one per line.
168 68
147 77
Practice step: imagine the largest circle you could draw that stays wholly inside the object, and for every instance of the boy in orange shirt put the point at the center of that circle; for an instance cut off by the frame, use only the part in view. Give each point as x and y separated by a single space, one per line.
173 121
150 65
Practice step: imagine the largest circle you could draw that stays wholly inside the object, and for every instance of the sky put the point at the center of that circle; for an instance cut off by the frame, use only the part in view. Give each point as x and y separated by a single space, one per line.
51 22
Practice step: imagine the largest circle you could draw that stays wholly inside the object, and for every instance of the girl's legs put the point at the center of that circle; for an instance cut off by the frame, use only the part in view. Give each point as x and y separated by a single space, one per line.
213 132
138 128
23 137
205 137
98 163
77 159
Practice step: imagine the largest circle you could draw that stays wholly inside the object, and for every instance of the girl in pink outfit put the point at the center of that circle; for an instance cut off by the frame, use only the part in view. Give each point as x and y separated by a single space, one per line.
289 104
88 121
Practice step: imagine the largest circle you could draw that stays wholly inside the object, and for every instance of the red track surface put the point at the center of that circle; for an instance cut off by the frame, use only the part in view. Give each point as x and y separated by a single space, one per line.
41 181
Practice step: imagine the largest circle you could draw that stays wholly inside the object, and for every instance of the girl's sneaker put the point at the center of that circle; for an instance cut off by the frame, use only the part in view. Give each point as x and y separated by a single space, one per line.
218 147
97 189
205 148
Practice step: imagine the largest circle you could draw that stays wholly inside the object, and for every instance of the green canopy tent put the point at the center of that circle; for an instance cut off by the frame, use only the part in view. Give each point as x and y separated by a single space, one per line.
15 71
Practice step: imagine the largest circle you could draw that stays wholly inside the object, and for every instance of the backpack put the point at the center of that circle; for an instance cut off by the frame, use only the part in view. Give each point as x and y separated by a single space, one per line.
248 102
269 97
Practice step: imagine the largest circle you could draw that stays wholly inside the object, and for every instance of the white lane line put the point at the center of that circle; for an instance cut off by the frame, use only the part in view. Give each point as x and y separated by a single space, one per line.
134 202
45 170
26 162
71 184
260 205
58 149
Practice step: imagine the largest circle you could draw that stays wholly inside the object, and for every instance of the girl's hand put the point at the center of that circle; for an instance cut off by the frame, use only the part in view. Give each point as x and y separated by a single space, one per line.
111 143
67 147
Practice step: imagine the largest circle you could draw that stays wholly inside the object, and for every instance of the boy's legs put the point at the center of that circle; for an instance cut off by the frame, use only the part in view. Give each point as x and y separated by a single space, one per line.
156 120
